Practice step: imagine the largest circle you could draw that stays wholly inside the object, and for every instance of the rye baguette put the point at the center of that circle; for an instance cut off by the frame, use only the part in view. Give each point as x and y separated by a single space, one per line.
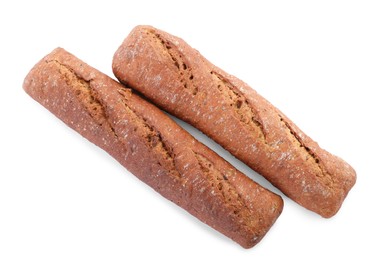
153 147
178 79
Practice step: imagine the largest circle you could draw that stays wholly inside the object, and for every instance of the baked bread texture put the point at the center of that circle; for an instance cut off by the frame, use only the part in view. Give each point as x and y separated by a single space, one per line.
153 147
178 79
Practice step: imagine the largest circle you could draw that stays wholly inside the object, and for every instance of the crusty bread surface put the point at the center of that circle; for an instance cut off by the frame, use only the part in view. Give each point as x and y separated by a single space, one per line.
153 147
178 79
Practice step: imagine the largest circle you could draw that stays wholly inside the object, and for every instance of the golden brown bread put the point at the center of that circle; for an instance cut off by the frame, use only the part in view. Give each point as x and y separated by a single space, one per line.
153 147
178 79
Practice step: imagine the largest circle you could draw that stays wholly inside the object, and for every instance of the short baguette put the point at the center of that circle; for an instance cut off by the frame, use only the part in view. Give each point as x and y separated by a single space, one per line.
177 78
153 147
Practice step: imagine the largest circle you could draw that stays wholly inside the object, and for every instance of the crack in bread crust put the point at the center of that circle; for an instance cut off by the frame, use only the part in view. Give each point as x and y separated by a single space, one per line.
220 183
312 157
153 137
240 105
186 76
85 93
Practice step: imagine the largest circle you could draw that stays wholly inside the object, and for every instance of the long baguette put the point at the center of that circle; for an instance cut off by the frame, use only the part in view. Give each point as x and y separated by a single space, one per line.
153 147
177 78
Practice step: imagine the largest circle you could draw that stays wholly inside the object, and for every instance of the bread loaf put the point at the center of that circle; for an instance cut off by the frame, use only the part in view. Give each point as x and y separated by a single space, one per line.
178 79
153 147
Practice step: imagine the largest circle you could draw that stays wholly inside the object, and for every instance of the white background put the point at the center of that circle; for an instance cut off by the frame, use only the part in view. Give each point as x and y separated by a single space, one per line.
61 197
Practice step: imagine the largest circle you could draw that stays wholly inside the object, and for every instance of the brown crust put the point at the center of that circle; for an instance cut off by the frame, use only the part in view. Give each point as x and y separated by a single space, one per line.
153 147
178 79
